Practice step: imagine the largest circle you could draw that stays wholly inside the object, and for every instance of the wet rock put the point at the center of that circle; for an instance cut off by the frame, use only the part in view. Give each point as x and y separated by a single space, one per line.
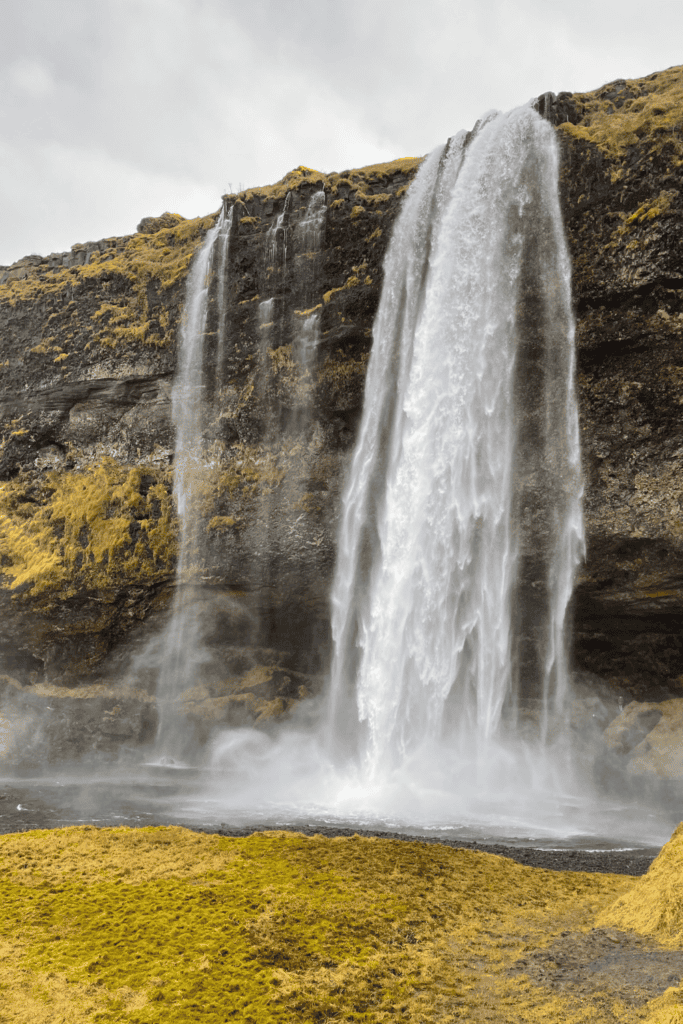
649 737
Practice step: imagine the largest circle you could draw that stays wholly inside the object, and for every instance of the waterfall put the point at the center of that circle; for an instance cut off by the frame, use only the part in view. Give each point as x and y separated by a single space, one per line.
461 522
309 234
311 227
182 651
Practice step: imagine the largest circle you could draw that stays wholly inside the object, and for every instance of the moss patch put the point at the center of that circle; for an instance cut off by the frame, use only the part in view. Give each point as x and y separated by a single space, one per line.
161 924
373 173
76 529
646 110
160 258
654 905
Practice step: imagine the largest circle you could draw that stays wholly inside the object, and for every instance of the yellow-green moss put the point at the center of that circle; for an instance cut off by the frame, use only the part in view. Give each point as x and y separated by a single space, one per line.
307 312
375 199
162 257
245 473
339 372
330 182
74 529
220 524
281 358
653 207
651 117
628 223
351 282
290 181
383 171
163 925
654 905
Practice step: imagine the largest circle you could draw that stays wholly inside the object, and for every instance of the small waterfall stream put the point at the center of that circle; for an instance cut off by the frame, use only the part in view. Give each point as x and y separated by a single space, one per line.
182 649
309 236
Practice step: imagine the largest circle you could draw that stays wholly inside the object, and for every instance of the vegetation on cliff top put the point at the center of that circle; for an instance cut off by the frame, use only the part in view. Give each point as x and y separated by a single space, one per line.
354 180
639 112
160 258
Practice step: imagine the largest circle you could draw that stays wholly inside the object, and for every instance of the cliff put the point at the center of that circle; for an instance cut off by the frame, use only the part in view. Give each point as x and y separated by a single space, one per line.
622 184
88 346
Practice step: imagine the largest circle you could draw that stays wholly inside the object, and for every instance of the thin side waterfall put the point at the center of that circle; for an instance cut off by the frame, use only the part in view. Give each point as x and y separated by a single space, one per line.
309 236
461 525
311 228
182 651
220 260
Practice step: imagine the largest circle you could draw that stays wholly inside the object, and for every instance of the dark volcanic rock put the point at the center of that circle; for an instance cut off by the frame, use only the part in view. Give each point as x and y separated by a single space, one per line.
622 192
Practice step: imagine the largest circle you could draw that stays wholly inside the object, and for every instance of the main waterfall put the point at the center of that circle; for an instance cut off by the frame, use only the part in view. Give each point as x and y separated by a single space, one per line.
462 521
448 703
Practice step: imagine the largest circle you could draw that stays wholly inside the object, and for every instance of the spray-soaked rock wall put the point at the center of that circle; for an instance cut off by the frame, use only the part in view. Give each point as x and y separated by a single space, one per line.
89 344
622 184
88 347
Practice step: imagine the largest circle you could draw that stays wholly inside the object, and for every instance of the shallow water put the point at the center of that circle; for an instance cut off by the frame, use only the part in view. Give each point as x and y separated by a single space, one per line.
152 794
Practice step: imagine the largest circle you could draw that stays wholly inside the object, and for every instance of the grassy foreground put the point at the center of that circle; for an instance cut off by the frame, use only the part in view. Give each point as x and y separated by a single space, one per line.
162 924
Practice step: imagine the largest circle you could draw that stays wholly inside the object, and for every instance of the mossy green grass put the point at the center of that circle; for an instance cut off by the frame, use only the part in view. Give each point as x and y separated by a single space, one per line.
163 924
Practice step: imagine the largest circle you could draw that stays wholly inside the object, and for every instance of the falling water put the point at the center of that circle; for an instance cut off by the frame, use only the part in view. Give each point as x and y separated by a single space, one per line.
182 651
276 239
452 477
449 706
311 227
309 235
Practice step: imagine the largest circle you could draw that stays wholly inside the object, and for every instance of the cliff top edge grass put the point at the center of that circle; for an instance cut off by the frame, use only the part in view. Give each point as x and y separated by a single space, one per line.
161 256
163 924
643 111
329 181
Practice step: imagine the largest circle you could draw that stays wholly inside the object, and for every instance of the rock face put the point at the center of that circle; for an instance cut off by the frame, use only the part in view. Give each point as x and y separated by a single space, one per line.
88 529
622 186
88 348
647 737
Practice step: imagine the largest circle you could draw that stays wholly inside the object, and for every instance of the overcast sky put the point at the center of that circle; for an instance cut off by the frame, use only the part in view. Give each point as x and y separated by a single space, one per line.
112 110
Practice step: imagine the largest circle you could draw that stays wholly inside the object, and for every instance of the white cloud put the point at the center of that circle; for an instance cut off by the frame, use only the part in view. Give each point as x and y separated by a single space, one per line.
61 195
30 77
162 102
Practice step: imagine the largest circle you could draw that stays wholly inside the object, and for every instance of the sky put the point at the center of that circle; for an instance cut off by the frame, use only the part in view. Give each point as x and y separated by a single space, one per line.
112 110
